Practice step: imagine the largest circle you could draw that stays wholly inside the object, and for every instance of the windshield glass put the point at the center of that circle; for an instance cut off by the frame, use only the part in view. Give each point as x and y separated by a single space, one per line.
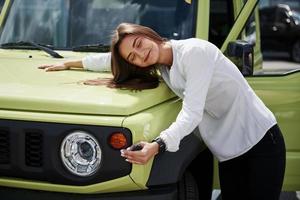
68 23
1 4
296 16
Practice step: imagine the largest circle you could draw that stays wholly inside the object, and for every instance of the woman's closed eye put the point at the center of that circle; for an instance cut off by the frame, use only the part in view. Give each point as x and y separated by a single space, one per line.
139 43
132 57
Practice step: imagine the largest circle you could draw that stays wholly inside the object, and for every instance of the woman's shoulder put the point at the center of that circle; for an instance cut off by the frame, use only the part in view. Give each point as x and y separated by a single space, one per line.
187 47
192 44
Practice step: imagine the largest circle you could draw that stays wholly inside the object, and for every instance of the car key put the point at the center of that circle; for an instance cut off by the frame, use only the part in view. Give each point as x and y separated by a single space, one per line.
136 147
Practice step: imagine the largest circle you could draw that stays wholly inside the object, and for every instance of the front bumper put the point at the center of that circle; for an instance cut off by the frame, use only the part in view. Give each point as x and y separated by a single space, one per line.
162 193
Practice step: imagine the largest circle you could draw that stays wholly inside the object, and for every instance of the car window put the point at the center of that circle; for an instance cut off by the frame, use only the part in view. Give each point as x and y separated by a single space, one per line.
249 30
282 16
267 15
296 16
220 21
1 5
278 62
250 35
66 23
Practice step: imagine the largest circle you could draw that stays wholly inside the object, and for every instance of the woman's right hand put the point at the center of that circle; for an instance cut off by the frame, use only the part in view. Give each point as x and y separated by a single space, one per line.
54 67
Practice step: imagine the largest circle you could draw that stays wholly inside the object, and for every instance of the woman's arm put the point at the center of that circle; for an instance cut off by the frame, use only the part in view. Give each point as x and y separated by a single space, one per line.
96 62
199 66
62 66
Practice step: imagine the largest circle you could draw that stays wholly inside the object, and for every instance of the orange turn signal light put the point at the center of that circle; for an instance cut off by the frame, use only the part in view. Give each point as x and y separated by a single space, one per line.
118 140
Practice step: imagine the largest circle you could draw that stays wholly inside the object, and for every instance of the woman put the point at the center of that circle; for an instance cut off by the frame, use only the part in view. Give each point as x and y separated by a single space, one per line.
234 123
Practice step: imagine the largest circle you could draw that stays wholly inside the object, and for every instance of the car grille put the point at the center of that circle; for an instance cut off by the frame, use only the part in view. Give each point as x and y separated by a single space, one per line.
4 146
31 150
34 149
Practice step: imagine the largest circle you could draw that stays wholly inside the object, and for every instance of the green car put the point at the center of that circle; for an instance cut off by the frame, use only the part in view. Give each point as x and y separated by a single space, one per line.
61 139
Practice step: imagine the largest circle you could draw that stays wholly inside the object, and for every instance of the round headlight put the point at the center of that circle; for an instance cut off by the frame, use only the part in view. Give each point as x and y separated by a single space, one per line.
81 153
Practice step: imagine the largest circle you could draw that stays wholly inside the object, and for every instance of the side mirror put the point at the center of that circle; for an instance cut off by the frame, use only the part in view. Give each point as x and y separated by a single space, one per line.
241 54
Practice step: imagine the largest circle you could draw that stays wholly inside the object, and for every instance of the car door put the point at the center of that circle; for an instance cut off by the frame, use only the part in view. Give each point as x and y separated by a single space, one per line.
279 89
277 86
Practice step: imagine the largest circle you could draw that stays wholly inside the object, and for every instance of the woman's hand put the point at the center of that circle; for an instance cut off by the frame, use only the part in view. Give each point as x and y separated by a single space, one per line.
54 67
142 156
63 66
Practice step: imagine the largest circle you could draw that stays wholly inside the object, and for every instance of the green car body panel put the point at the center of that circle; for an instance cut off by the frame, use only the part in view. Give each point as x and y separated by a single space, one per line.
282 95
61 97
63 92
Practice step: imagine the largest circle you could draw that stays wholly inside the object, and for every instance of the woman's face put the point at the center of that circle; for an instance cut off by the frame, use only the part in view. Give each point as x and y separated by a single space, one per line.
139 50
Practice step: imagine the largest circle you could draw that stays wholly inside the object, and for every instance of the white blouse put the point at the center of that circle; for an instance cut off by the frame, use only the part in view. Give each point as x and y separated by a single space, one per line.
216 98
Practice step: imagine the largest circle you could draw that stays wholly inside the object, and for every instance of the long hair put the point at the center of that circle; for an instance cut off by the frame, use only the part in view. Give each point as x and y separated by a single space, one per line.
125 74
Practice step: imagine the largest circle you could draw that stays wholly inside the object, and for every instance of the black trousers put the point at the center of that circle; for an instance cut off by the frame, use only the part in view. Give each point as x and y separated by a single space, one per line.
258 174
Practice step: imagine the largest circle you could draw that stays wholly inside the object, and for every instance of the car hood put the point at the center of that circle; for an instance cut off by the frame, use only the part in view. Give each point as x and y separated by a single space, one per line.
25 87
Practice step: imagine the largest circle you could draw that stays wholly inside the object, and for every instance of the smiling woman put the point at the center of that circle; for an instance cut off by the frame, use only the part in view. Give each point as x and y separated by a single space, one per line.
216 99
136 52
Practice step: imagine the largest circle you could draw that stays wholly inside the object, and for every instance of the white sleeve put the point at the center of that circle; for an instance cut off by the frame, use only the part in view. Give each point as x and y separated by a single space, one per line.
198 64
97 62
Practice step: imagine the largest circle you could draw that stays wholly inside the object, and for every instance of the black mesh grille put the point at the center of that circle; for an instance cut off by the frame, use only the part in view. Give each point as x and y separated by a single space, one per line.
33 149
4 146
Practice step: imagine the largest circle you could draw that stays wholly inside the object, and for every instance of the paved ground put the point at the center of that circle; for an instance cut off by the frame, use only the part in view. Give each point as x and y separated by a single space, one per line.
278 62
283 196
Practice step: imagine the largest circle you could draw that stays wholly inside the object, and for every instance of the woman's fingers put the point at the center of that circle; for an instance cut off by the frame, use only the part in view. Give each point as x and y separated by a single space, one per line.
140 156
51 67
44 66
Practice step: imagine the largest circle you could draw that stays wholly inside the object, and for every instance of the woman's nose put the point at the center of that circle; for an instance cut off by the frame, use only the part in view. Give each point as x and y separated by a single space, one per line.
140 53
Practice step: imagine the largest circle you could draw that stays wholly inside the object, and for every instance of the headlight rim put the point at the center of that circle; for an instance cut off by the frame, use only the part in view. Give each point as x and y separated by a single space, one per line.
68 165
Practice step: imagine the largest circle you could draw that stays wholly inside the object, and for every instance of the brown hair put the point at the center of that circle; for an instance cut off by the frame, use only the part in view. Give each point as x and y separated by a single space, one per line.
127 75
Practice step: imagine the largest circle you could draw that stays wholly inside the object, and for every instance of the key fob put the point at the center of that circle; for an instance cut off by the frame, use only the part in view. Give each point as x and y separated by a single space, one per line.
136 147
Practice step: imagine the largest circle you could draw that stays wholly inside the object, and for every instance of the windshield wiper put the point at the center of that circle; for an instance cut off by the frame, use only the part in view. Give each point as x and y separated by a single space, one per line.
22 44
92 48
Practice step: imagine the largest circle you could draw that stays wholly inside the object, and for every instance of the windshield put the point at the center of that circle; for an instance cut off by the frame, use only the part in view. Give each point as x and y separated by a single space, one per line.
1 4
68 23
296 16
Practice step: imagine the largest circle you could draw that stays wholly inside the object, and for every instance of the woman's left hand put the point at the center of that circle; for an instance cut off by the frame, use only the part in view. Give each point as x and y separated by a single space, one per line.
142 156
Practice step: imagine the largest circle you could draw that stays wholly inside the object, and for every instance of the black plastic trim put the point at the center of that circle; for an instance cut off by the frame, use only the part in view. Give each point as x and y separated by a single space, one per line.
277 75
165 193
51 169
169 167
